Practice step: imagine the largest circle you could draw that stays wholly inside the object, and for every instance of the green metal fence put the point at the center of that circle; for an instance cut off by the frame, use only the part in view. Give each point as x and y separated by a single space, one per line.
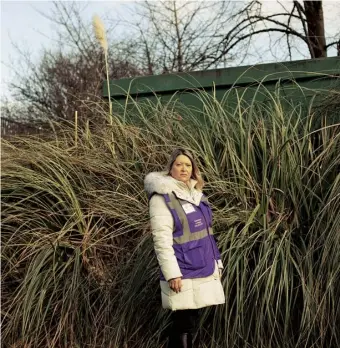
297 81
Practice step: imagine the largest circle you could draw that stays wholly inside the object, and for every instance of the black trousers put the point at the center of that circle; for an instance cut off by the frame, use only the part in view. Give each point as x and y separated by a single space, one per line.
185 321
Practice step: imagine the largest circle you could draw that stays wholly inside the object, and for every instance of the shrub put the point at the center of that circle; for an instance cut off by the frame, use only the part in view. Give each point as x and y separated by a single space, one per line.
78 268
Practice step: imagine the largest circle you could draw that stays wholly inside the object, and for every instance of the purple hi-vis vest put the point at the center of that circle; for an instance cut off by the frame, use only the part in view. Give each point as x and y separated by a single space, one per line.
193 241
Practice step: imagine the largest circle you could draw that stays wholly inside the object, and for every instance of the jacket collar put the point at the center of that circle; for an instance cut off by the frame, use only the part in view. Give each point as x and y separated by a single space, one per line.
162 183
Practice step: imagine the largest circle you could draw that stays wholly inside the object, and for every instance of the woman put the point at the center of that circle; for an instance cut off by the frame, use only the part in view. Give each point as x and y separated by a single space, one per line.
181 223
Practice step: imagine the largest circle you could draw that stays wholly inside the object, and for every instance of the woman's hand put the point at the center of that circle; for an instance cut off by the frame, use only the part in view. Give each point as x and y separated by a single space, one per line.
175 284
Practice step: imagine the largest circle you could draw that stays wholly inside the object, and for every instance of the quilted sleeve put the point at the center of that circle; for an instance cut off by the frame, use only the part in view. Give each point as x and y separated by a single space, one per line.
162 229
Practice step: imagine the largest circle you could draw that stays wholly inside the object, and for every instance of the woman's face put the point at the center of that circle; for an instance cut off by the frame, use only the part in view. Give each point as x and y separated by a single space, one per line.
181 169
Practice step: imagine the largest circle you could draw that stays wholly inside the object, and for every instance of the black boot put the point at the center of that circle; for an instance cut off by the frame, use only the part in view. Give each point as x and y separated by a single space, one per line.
186 340
183 340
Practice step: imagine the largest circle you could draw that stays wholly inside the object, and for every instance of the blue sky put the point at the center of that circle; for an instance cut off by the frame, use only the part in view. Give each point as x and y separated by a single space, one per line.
23 25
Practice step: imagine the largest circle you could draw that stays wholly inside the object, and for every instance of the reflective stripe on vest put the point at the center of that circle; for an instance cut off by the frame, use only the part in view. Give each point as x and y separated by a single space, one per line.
182 222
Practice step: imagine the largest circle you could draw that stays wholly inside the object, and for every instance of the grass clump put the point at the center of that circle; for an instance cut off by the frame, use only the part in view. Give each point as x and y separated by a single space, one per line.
78 268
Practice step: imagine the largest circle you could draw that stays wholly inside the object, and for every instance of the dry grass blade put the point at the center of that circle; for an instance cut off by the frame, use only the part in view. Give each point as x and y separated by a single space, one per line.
78 267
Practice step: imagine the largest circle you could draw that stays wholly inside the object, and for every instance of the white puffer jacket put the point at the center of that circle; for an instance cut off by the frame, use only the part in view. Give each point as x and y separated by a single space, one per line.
195 293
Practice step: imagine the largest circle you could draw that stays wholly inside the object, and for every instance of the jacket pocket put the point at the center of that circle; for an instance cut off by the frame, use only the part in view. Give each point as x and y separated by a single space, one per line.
194 257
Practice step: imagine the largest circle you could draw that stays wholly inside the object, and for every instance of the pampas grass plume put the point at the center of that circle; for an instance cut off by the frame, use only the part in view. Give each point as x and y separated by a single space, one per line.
99 31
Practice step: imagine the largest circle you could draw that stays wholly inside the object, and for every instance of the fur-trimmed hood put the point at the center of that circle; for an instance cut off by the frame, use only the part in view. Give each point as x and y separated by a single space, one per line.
162 183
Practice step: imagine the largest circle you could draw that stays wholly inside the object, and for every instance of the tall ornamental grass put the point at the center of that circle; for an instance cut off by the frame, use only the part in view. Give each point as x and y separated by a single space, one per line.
78 267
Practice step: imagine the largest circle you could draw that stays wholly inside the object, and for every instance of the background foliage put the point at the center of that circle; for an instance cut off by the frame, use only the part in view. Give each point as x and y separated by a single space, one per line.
78 267
152 38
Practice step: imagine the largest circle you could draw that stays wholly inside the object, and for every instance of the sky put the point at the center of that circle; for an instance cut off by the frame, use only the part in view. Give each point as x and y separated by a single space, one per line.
24 26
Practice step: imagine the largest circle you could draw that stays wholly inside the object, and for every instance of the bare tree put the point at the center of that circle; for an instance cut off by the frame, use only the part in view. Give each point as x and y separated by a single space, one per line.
68 77
313 13
63 83
162 37
177 36
300 20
